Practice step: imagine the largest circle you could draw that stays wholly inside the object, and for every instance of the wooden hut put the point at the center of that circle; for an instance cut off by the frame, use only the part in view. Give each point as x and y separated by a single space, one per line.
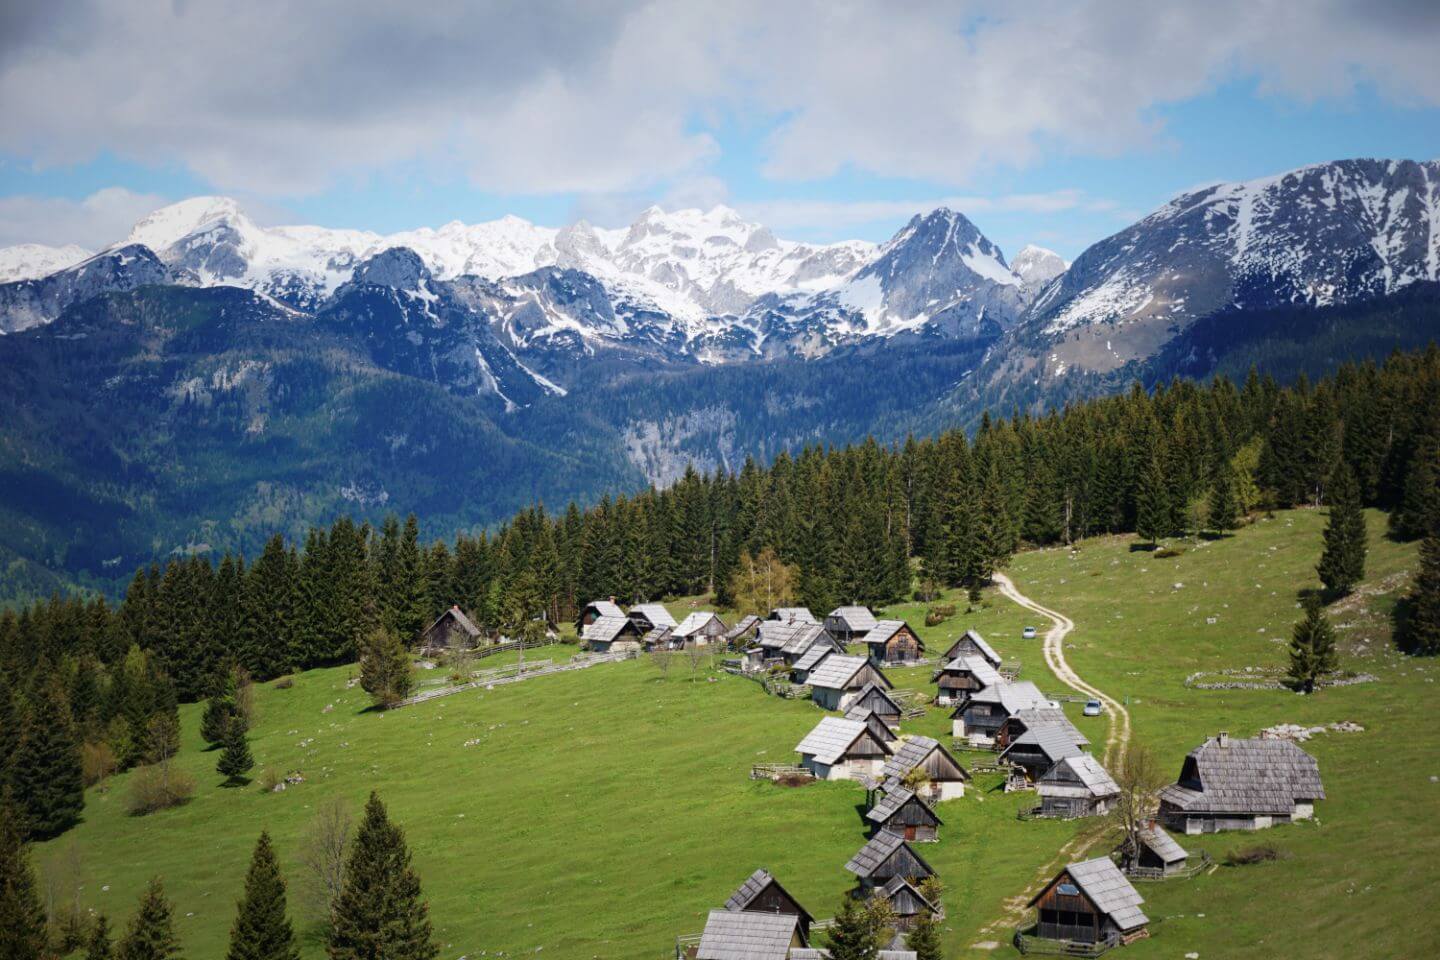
906 902
742 935
1159 854
848 624
658 637
1090 902
981 713
838 680
802 638
1033 718
611 634
596 609
1040 748
944 779
762 893
744 632
962 676
801 669
651 616
792 615
1230 784
701 627
902 811
892 641
840 749
971 644
866 714
452 630
887 855
1077 786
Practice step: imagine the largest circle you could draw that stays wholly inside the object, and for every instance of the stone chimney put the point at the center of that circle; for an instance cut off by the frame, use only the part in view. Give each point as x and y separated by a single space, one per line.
1223 739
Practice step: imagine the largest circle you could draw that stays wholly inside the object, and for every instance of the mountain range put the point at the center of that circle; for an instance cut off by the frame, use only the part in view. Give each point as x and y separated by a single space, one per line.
205 381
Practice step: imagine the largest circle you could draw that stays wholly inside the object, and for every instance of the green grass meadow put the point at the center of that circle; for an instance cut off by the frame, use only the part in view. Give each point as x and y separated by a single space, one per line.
599 813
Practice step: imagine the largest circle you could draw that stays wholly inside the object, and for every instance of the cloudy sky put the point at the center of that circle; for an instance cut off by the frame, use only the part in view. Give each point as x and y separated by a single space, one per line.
1047 122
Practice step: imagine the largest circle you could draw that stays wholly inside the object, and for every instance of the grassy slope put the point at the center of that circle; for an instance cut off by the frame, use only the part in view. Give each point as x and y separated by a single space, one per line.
602 812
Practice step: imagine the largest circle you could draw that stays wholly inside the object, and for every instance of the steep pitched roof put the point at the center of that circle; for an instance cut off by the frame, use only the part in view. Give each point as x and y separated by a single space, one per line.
831 738
606 608
885 629
978 667
1053 742
1084 769
872 690
696 622
746 624
756 884
655 613
1033 718
974 637
889 804
1107 888
811 658
804 636
836 672
856 619
876 851
897 883
1014 697
797 614
774 634
1246 776
460 619
1162 844
606 629
732 935
913 752
657 635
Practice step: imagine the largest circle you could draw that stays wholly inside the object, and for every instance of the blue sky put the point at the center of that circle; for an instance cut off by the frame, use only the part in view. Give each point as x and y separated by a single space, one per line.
824 125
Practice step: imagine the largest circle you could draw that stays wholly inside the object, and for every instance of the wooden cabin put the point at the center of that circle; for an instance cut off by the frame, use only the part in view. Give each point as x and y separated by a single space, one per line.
971 644
1159 856
1090 902
902 811
743 634
840 749
962 676
651 616
1076 786
596 609
1033 718
884 856
980 714
802 638
867 715
1040 748
1232 784
876 697
801 669
893 642
838 680
743 935
762 893
658 638
792 615
611 634
944 779
452 630
849 624
906 902
701 627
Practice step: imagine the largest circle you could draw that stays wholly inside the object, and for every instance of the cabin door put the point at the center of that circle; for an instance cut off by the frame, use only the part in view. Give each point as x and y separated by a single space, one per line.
909 831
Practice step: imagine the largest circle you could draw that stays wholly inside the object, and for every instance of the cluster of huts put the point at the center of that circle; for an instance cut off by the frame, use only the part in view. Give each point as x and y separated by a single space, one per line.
605 628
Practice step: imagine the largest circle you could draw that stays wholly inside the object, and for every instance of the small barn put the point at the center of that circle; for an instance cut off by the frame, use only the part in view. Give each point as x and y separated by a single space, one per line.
840 749
792 615
981 713
452 630
743 632
801 669
874 696
742 935
700 627
1040 748
884 856
802 638
892 642
901 811
596 609
1160 855
838 680
1034 718
867 715
1234 784
762 893
849 624
611 635
658 638
944 777
1076 786
1090 902
907 902
971 644
964 675
773 635
651 616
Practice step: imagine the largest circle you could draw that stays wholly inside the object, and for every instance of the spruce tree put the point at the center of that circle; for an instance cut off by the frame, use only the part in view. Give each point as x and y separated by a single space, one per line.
1422 624
379 914
1342 563
45 771
262 931
924 937
150 935
98 946
1153 514
1312 648
22 915
1223 507
852 935
235 759
215 721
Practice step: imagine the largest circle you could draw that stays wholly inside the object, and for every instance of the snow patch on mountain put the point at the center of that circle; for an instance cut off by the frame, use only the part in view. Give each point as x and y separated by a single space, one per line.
30 261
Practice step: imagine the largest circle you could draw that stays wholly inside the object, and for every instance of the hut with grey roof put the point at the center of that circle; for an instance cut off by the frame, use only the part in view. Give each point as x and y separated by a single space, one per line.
838 680
980 714
1090 903
792 615
969 644
651 616
1236 784
596 609
801 669
1033 718
962 676
887 855
840 749
1040 748
661 637
802 638
876 697
933 769
762 893
741 935
1158 856
1076 786
743 632
452 630
893 642
848 624
907 902
866 714
901 811
701 627
611 634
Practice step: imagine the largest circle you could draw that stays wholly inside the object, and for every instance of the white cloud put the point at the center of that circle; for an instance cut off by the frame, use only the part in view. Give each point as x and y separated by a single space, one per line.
833 215
623 96
99 219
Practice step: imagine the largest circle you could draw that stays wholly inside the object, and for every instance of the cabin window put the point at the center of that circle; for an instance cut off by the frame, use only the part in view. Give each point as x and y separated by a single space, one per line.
1068 890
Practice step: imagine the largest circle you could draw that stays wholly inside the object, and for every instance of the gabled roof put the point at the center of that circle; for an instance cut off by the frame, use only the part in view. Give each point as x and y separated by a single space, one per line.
696 622
746 624
913 752
657 635
876 851
831 738
856 619
460 618
1106 887
606 608
1033 718
756 884
774 634
1162 844
978 667
836 672
738 935
1085 770
1014 697
892 801
797 614
979 641
606 629
803 637
897 883
655 613
1053 742
872 689
1247 776
811 658
885 629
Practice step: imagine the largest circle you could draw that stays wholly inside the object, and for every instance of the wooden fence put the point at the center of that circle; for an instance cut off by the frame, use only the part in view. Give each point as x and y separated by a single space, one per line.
774 771
516 673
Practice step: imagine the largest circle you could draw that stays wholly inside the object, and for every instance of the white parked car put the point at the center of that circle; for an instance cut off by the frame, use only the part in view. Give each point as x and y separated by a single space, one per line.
1028 633
1092 708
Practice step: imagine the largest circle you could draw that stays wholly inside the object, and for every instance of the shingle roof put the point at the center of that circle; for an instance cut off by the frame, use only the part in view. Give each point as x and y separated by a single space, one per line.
892 801
657 635
1108 889
655 613
696 622
884 630
856 619
606 608
979 668
731 935
811 658
897 883
830 739
802 638
1082 768
798 614
876 851
746 624
912 753
837 672
774 634
605 629
979 642
1054 742
1248 776
1163 845
874 688
1014 697
1032 718
754 885
460 618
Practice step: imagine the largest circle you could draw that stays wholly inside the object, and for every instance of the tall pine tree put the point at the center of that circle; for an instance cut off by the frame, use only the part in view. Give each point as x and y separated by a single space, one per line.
45 771
379 914
1342 563
235 759
262 931
1421 634
22 915
151 933
1312 648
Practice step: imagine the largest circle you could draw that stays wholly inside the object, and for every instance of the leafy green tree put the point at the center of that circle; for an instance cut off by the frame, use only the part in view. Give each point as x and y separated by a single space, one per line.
261 930
98 946
235 759
1421 634
151 933
22 915
46 771
1312 648
380 914
1342 562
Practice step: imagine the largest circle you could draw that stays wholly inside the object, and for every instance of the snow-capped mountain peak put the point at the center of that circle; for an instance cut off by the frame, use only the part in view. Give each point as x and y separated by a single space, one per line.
30 261
1037 266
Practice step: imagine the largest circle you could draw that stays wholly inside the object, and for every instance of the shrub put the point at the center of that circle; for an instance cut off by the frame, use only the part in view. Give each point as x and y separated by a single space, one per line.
156 788
270 778
97 762
939 613
284 683
1263 853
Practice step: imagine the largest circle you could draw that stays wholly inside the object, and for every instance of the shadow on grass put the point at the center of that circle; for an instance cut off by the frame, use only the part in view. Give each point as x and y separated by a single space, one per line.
1144 547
